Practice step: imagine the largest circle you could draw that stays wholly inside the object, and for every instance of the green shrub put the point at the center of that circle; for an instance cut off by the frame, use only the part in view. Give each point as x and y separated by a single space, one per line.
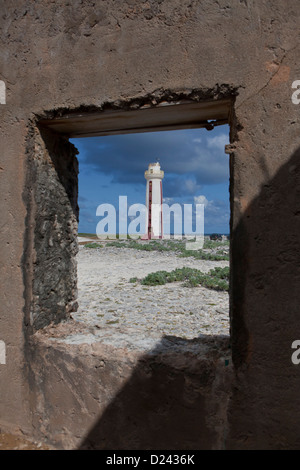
118 244
155 279
200 254
217 278
93 245
178 246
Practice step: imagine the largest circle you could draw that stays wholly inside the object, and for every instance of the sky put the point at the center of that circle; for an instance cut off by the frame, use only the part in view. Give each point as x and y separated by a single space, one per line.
195 165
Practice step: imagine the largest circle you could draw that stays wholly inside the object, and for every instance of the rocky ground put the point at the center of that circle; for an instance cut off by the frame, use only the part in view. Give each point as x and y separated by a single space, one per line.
132 315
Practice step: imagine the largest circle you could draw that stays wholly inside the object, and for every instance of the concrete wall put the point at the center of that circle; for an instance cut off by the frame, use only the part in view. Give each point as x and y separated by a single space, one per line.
90 395
62 56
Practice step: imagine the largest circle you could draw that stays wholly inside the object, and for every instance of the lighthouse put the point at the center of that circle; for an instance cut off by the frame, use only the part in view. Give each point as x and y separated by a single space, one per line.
154 223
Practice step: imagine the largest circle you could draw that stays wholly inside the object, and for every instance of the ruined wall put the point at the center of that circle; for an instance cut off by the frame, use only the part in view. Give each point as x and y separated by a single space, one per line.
52 177
93 396
79 55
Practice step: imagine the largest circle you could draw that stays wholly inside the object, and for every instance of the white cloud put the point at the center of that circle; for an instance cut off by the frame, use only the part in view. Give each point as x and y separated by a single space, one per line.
168 200
202 200
186 153
216 212
190 185
218 141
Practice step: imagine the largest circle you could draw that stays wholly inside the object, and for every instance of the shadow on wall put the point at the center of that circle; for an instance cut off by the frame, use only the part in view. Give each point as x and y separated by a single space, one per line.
264 411
173 399
179 402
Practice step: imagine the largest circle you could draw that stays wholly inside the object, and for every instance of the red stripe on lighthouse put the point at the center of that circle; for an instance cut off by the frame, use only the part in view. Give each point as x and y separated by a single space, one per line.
161 212
150 210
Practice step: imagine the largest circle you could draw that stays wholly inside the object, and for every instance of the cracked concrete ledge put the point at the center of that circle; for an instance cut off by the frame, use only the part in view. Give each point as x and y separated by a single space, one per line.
98 386
75 334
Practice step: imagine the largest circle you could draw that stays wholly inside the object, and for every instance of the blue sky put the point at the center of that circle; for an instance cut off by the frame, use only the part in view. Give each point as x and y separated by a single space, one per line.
195 165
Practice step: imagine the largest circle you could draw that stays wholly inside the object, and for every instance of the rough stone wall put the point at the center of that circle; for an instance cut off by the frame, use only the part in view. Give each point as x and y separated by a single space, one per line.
52 177
64 55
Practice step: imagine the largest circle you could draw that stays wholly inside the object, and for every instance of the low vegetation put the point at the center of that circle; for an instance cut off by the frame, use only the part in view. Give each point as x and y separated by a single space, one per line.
217 278
93 245
213 250
219 249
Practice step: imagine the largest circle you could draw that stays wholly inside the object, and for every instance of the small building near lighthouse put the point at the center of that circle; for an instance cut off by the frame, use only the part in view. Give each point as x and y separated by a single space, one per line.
154 198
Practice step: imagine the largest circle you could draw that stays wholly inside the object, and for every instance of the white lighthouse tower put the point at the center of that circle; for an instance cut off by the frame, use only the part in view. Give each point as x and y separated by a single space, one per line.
154 223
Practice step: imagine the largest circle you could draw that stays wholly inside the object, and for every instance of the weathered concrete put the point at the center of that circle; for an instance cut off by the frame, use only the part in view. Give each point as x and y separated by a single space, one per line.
93 396
53 177
80 57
